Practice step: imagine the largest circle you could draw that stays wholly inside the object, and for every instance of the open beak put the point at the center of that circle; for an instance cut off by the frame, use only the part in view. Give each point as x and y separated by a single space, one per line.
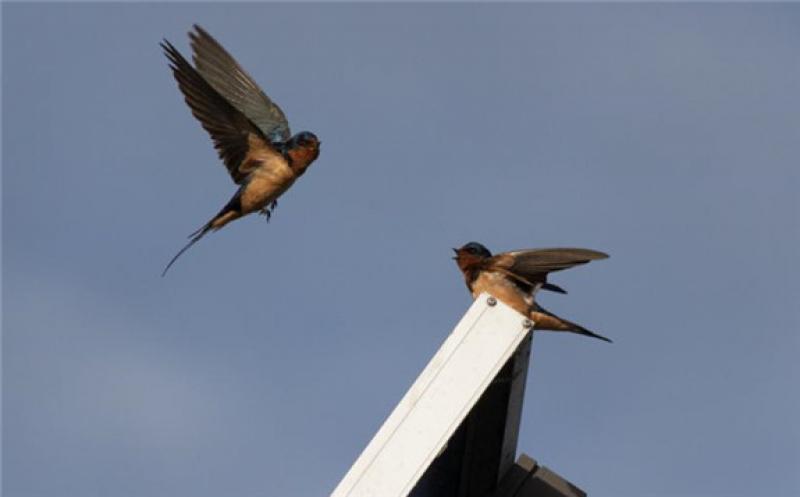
455 256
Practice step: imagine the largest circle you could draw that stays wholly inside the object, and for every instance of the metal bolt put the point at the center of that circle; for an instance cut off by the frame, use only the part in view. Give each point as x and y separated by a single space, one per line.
527 324
491 301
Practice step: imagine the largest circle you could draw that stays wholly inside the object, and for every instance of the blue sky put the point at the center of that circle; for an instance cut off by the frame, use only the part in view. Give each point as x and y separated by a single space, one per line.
666 135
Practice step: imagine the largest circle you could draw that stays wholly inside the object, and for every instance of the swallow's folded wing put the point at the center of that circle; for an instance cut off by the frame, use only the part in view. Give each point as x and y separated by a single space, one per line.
233 134
529 264
226 76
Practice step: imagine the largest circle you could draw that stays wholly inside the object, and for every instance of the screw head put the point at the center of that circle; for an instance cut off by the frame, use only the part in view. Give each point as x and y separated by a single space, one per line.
491 301
527 324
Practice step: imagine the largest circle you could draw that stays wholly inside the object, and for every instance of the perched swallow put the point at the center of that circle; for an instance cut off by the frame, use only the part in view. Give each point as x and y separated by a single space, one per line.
249 131
515 277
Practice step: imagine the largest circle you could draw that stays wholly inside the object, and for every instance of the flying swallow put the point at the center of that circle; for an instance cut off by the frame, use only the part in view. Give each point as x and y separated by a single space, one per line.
515 277
249 131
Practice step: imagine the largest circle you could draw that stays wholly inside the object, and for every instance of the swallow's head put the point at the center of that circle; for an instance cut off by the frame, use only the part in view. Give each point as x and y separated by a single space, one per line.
305 139
303 148
470 254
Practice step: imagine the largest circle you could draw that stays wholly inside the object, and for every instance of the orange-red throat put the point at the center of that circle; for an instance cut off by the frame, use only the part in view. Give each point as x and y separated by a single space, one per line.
302 151
467 262
471 256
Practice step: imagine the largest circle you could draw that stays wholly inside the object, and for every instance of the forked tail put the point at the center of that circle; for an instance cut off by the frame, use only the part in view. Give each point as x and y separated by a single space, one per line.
546 320
197 235
583 331
231 211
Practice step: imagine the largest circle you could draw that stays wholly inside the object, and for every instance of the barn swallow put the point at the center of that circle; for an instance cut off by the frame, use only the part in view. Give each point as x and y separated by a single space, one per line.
249 131
515 277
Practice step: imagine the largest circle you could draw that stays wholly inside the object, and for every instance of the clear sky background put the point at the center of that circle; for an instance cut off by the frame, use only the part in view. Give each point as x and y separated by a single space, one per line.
666 135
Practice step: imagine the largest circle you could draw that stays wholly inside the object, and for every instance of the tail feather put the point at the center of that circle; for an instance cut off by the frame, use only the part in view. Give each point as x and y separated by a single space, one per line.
583 331
194 238
546 320
231 211
553 288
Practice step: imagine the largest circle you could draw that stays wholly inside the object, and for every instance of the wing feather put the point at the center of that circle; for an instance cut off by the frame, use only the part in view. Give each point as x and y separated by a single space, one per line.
228 78
532 264
231 131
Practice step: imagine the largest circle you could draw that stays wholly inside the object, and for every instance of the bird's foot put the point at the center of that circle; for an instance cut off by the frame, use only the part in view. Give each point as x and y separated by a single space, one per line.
267 211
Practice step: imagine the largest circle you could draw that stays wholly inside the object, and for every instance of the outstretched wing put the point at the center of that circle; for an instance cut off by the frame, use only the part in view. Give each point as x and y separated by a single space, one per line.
532 265
233 134
225 75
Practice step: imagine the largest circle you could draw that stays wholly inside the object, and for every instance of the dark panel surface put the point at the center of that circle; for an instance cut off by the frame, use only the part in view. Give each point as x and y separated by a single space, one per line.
484 445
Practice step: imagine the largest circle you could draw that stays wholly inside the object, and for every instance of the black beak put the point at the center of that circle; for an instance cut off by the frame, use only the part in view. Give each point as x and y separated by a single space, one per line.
456 251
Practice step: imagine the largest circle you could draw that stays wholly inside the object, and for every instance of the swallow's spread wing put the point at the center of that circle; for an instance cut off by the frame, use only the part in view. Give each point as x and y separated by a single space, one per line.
225 75
533 264
235 137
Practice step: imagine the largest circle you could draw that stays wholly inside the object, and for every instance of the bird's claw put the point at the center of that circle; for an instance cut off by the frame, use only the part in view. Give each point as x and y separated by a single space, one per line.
267 211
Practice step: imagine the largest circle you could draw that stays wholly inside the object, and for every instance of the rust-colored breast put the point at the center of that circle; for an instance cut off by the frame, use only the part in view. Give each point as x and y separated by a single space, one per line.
263 189
270 176
500 287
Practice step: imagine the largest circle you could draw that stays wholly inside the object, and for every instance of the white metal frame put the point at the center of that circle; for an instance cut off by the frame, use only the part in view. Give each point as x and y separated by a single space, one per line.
420 426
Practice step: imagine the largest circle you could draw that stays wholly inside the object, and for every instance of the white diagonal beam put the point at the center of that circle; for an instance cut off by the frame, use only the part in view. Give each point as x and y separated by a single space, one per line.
441 397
